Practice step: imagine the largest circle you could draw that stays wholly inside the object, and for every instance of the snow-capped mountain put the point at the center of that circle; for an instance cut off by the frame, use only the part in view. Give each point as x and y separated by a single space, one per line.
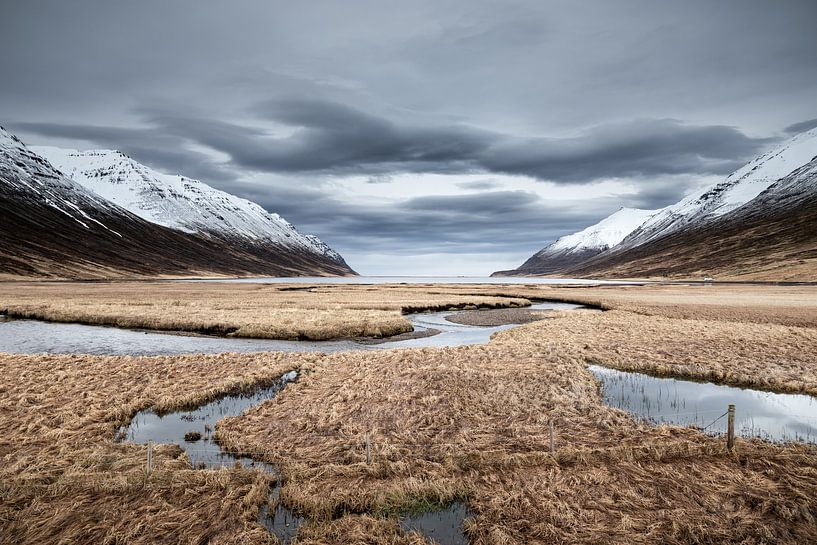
737 189
53 226
772 237
178 202
603 235
581 246
762 215
26 174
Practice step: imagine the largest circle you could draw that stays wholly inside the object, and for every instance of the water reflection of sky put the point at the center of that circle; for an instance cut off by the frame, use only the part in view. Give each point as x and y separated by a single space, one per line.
781 417
35 337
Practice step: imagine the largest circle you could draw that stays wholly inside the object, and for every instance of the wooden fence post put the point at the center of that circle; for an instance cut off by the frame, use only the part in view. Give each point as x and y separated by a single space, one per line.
730 428
150 457
368 449
552 442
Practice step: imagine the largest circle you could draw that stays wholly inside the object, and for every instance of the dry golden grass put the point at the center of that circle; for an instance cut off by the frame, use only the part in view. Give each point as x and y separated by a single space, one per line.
785 305
468 422
472 422
65 480
272 311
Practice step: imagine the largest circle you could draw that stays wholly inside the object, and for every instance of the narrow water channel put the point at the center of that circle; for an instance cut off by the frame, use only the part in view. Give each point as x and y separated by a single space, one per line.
771 416
766 415
37 337
193 429
443 526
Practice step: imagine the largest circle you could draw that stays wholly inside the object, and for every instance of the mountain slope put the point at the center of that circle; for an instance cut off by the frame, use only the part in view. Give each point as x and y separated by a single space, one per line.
757 223
736 190
577 248
179 202
54 227
770 238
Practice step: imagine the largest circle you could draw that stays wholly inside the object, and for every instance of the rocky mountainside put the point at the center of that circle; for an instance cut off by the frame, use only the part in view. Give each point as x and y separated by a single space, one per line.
178 202
56 227
772 237
754 224
579 247
736 190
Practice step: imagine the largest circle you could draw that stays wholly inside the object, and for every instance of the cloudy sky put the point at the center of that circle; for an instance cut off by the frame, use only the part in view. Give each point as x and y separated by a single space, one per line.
421 137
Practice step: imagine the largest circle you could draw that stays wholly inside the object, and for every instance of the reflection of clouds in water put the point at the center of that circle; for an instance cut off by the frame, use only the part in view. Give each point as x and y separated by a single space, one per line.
763 414
34 337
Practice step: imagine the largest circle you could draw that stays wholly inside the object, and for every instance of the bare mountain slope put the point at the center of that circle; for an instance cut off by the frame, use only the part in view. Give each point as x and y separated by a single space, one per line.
55 227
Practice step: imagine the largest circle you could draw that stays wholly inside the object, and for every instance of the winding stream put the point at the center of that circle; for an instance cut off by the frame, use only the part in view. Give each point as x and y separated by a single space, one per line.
192 430
767 415
781 417
36 337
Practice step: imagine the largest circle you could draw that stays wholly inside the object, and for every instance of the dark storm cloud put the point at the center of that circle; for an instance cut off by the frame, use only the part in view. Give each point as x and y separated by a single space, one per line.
337 139
160 149
803 126
640 148
479 185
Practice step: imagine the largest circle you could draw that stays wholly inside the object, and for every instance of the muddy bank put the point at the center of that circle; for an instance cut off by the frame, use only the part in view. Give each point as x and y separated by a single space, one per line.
416 334
497 317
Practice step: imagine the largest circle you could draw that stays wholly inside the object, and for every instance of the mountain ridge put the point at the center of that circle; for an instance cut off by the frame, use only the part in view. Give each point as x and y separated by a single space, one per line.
656 246
56 228
583 245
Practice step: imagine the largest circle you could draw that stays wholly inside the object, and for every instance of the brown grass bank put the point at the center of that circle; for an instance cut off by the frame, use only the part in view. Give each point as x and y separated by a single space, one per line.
467 422
275 311
473 422
765 304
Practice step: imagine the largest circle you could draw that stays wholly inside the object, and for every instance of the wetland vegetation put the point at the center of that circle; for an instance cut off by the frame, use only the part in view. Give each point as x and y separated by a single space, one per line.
443 425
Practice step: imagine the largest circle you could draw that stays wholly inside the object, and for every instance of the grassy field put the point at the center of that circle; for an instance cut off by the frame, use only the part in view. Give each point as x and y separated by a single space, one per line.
273 311
468 422
784 305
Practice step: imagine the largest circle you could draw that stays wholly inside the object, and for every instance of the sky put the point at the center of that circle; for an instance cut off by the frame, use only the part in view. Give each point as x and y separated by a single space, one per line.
423 137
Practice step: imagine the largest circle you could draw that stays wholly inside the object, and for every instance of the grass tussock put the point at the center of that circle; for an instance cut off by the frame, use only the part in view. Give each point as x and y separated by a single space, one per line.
467 422
762 356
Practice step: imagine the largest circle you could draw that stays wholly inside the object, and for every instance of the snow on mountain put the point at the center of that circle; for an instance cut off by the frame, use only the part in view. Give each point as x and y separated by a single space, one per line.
765 183
604 234
53 226
579 247
25 173
178 202
736 190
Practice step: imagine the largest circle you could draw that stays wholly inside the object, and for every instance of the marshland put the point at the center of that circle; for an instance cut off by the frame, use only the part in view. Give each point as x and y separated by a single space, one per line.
363 438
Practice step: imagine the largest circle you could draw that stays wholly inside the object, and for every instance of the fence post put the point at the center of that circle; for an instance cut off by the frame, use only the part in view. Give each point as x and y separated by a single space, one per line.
368 449
150 457
552 442
730 428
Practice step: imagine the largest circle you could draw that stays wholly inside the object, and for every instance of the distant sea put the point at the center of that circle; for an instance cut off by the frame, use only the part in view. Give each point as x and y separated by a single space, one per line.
408 280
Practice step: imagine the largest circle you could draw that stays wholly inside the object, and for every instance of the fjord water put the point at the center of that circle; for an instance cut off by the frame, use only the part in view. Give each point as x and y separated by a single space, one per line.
409 280
770 416
36 337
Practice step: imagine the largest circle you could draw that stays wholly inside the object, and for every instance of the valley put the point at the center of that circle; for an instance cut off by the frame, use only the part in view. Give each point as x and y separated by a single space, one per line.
467 423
